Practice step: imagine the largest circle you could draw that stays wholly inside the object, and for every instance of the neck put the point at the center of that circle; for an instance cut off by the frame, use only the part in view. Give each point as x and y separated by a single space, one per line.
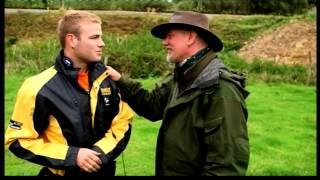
187 63
193 49
77 63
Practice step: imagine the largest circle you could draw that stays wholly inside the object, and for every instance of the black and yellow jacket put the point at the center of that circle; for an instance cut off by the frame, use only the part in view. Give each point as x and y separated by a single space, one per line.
53 117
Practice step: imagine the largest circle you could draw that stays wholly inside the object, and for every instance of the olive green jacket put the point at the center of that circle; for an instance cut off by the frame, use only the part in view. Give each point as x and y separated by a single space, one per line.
204 124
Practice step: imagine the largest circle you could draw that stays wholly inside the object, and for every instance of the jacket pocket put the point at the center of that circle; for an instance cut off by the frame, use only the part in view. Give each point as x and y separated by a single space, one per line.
212 125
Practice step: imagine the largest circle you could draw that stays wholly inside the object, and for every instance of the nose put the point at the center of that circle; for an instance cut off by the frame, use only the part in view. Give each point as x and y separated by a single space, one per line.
101 43
165 41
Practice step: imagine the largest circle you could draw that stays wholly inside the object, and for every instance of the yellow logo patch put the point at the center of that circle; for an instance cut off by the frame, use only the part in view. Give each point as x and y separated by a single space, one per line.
105 91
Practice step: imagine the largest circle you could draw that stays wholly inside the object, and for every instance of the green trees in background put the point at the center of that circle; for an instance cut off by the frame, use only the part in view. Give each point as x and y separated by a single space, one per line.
131 5
278 7
285 7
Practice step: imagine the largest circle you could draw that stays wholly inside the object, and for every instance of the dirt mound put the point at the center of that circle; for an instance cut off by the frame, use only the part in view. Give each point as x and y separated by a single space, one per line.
292 43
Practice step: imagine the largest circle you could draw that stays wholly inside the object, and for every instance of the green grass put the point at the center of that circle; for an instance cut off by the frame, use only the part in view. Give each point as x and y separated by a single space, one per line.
282 131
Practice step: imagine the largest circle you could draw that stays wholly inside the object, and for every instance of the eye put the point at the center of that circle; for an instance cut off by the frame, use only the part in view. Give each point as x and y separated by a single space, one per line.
169 36
95 37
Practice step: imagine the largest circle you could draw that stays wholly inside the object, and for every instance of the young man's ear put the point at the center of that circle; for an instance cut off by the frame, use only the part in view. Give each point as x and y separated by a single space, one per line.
71 40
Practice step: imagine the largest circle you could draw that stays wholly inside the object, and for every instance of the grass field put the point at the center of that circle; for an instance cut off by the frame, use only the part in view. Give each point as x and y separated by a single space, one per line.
282 131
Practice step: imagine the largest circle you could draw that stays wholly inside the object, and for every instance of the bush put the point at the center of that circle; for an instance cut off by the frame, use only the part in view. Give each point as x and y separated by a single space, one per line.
139 55
136 52
262 70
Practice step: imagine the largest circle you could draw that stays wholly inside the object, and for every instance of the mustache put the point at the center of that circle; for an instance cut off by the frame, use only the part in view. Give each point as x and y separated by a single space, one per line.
168 48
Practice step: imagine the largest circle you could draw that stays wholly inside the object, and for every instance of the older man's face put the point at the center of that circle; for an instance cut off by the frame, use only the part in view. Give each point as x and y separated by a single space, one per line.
176 44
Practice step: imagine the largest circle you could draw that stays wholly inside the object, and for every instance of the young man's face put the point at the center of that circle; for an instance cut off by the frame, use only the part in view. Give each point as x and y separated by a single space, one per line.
89 46
176 44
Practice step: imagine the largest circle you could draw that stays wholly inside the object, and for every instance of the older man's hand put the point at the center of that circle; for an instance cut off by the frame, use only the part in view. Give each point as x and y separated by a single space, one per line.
113 74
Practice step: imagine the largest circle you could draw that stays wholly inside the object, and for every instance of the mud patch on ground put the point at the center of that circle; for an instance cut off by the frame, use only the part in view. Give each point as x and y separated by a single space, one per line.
292 43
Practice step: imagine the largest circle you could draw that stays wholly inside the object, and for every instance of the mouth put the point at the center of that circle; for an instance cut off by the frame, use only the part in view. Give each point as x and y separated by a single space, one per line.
168 50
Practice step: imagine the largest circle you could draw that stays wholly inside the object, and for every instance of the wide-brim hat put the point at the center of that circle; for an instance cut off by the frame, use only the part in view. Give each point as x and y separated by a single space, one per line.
189 20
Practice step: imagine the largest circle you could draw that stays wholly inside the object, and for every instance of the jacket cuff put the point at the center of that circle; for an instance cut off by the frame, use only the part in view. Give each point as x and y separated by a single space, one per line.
71 157
128 87
122 82
104 158
97 149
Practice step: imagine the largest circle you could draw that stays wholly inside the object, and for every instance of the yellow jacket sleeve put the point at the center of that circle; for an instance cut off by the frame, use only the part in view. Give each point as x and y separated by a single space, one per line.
117 137
24 138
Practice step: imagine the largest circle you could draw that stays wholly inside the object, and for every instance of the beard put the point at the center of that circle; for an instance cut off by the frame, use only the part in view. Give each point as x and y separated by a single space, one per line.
170 59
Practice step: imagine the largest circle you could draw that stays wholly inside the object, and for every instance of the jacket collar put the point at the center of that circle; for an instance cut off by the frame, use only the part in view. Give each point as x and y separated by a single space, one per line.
189 62
203 74
210 74
207 73
64 65
216 70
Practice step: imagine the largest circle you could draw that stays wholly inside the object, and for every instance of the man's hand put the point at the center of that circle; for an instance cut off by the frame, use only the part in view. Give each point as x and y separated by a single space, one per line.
113 74
88 160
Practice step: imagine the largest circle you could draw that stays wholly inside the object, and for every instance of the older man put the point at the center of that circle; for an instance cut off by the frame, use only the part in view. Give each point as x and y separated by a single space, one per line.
202 104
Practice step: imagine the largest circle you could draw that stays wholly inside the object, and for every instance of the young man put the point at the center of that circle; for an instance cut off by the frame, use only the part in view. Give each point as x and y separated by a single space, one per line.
202 105
70 118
